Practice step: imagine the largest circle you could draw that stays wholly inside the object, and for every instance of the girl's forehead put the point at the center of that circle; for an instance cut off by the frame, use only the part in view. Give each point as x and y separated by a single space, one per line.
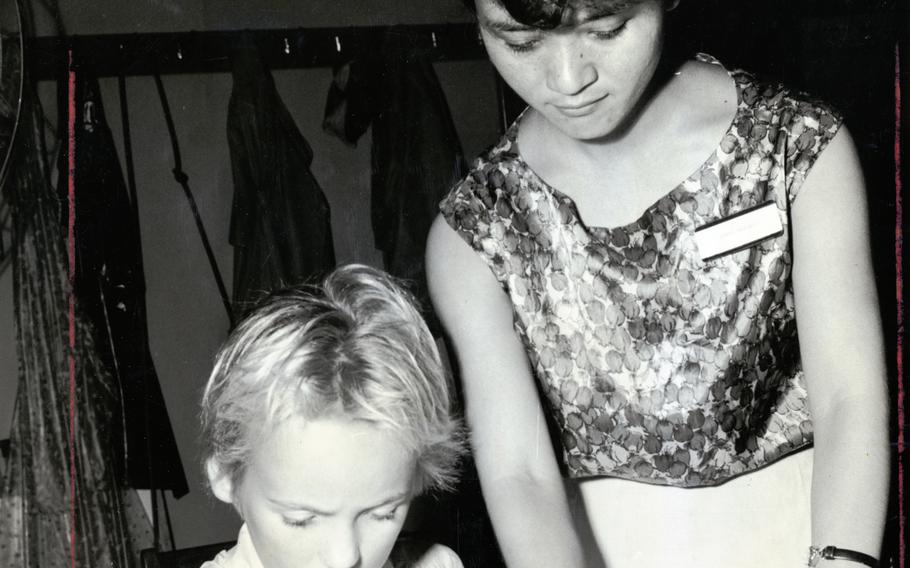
329 461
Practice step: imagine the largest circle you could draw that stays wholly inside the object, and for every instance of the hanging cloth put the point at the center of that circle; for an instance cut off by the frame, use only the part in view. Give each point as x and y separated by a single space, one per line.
416 155
61 502
183 179
280 225
110 287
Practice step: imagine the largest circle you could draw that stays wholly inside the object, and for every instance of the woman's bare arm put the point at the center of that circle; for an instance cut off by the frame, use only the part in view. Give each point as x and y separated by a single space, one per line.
519 476
842 353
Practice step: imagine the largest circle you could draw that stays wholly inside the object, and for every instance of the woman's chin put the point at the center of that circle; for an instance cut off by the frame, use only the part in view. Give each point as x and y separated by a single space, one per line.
590 128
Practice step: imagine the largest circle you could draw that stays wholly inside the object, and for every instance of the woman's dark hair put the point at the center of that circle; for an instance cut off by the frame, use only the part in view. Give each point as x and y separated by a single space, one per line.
549 14
681 38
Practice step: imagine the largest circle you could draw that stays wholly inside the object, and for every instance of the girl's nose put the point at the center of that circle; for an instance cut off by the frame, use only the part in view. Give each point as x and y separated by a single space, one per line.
569 70
342 548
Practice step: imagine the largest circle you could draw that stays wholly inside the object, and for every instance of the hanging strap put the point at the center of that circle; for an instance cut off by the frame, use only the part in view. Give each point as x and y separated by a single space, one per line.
134 205
183 180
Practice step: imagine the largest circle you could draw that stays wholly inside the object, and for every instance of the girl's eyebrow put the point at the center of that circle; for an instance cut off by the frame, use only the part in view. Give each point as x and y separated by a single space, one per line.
298 506
397 498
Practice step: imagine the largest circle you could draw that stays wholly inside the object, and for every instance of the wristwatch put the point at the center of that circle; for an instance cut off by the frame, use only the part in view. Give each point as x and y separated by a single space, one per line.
817 554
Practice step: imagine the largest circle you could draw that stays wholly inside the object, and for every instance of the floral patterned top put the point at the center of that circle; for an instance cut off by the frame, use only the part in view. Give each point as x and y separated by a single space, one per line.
656 365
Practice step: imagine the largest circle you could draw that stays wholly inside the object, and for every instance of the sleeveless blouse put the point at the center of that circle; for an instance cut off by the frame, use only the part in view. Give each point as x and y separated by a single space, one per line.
655 365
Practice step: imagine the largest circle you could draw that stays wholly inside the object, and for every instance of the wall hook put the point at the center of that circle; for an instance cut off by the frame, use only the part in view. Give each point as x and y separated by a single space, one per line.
337 44
179 53
433 38
287 47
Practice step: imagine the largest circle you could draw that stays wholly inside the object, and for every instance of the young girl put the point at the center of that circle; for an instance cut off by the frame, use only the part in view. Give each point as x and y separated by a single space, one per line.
633 259
326 413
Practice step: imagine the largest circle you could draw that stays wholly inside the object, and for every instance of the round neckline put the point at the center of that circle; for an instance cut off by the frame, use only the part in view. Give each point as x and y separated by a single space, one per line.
511 135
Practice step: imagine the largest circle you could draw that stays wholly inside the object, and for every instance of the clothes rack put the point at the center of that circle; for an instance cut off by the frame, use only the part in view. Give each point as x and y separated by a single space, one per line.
209 51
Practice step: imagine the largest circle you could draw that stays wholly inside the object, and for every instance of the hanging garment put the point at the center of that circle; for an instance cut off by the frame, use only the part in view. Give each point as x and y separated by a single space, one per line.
61 501
280 225
110 286
416 155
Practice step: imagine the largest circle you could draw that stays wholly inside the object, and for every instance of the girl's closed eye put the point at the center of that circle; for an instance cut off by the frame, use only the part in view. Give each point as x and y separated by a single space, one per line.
387 515
299 522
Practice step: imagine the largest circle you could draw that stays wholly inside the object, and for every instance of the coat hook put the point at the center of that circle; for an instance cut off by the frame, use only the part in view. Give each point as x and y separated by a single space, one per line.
433 37
287 47
337 44
179 53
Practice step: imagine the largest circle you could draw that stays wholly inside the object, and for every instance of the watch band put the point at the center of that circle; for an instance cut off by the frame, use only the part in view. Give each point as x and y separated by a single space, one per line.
816 554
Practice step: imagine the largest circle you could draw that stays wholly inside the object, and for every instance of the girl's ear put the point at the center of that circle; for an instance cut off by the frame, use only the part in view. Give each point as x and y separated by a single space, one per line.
221 483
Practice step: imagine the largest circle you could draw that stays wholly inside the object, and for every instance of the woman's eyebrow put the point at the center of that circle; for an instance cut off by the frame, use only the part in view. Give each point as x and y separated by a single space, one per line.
505 25
597 11
604 10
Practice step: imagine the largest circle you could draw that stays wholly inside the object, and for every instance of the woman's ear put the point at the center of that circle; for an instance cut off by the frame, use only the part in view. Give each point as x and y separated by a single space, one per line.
221 483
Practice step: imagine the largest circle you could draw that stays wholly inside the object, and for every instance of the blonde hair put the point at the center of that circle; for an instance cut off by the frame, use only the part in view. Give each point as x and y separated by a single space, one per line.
354 347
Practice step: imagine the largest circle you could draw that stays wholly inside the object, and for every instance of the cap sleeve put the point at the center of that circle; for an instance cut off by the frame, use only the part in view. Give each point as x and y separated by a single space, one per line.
810 125
480 213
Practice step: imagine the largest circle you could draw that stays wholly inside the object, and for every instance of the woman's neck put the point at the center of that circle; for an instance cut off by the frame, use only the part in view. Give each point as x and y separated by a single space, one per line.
656 111
672 135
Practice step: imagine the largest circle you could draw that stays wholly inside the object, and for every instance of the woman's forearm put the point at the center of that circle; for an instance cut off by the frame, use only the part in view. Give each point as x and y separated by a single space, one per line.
850 477
533 523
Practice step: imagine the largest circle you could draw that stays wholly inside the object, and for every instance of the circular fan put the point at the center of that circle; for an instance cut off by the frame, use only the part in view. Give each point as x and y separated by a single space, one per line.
11 77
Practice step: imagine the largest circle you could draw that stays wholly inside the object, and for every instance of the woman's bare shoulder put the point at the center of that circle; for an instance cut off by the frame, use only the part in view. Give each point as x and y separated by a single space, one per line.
709 92
453 268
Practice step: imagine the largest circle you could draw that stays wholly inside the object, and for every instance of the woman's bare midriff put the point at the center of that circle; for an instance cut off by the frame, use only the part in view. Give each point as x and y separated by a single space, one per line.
757 520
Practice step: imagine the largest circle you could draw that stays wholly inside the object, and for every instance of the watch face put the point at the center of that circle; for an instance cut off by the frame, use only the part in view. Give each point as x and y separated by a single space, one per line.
815 555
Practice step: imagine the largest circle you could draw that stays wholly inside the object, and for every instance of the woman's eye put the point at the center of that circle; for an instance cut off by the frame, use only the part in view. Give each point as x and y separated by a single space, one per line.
299 523
609 34
524 46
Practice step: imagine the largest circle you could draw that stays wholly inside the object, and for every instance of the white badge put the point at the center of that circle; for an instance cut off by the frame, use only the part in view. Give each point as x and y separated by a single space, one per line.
739 231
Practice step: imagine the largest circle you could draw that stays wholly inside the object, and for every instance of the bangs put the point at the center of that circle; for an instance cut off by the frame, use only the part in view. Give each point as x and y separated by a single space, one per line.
550 14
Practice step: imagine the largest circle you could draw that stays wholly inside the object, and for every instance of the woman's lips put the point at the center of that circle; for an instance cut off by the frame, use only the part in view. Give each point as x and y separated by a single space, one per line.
581 109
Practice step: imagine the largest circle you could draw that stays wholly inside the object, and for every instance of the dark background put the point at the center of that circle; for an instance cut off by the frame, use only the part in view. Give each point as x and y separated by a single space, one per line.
842 51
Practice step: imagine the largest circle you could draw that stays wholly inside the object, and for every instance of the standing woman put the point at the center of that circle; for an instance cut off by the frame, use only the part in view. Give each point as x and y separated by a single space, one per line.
634 259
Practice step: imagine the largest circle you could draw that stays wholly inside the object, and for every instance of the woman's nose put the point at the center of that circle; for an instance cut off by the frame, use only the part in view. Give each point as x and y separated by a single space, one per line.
570 70
342 548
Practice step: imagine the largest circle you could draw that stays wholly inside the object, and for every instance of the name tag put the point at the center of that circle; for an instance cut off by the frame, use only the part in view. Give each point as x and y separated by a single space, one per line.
737 232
